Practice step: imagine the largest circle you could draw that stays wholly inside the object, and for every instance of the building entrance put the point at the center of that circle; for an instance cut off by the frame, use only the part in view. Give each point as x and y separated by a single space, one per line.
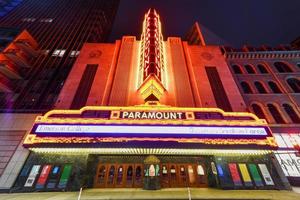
119 175
113 175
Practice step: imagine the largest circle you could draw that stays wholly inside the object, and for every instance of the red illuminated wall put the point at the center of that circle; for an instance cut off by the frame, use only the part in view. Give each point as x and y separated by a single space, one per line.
116 76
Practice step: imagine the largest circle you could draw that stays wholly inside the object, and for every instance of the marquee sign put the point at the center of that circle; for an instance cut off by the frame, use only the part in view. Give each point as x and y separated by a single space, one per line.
104 124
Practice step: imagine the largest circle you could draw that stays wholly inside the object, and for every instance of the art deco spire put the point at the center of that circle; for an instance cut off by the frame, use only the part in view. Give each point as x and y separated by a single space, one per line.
152 64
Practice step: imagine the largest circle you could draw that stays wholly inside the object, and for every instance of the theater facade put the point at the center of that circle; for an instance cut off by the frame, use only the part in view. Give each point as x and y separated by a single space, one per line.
151 114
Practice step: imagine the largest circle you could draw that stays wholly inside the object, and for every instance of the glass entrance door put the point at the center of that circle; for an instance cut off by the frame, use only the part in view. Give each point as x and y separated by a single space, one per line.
182 175
112 175
165 176
120 176
100 178
138 175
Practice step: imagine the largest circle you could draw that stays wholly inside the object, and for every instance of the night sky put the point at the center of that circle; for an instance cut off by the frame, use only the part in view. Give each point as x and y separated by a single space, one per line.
233 22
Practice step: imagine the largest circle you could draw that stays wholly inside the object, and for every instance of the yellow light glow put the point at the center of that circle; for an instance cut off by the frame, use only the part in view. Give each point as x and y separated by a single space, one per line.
154 108
148 107
152 86
151 151
33 139
158 88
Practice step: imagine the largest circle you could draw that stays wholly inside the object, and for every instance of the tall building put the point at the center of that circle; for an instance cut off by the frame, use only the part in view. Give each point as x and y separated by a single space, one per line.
60 27
39 43
151 113
7 6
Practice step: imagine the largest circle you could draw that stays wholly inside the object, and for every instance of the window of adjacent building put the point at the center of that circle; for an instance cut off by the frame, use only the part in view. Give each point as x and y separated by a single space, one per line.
58 53
29 19
274 87
298 65
275 114
260 88
74 53
282 67
262 69
258 111
47 20
237 69
291 113
249 69
294 84
246 88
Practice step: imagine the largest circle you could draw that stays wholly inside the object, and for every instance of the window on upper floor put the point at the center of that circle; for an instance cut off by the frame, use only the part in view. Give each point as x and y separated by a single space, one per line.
246 87
237 69
260 87
291 113
258 111
282 67
74 53
262 69
46 20
29 19
276 114
274 87
294 84
249 69
58 52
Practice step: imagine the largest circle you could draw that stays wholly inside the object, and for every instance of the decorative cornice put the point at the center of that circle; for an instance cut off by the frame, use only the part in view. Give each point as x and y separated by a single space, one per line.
263 55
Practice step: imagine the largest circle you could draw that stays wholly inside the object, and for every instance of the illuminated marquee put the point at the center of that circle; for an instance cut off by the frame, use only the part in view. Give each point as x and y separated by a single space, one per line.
103 124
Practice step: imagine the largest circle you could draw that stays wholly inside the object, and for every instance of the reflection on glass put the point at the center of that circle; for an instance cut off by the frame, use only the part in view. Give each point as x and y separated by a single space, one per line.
120 175
182 170
111 175
129 175
101 174
138 174
191 174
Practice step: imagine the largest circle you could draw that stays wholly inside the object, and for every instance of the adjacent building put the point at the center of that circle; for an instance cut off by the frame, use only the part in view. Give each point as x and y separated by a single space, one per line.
39 43
60 28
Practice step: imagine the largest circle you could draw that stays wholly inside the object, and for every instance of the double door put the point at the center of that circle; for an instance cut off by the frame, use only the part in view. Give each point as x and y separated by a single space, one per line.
119 175
183 175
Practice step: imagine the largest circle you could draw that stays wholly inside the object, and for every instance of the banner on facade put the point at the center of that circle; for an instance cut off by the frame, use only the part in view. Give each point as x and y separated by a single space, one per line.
32 175
266 174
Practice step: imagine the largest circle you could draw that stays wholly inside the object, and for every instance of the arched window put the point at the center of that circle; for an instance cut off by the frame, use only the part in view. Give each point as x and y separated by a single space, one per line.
246 88
294 84
262 69
249 69
276 114
260 88
292 113
282 67
258 111
274 87
237 69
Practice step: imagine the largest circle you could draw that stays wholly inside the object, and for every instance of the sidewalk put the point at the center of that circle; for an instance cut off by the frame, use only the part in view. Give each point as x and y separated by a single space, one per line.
174 193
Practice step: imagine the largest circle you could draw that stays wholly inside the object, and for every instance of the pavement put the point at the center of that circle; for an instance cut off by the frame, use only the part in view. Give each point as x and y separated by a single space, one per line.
164 194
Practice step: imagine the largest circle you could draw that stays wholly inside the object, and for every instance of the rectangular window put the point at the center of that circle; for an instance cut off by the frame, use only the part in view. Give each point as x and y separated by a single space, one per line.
74 53
218 89
58 53
84 87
